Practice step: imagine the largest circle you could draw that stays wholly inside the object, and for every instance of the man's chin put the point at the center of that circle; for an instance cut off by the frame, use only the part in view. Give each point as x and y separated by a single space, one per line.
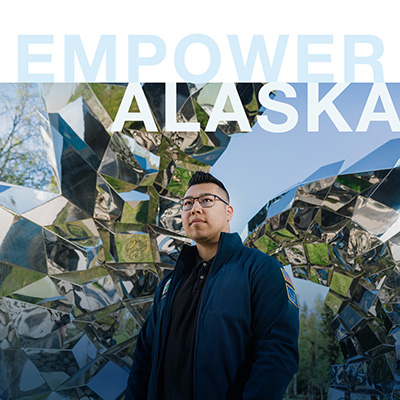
199 238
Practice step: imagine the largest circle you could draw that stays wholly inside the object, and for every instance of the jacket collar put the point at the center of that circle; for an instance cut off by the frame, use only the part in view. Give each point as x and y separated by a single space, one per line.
228 244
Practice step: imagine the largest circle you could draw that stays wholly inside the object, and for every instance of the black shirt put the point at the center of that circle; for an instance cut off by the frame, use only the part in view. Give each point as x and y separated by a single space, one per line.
176 374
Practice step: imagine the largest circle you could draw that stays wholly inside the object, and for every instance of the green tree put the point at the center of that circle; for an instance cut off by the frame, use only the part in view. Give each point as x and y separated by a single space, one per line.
319 349
331 346
309 347
22 158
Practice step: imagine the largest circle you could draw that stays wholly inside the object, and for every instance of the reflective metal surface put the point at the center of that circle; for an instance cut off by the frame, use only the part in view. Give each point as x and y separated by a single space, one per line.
343 232
90 223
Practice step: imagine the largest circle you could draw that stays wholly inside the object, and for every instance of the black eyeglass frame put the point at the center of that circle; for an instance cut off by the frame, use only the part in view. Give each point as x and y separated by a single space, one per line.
198 199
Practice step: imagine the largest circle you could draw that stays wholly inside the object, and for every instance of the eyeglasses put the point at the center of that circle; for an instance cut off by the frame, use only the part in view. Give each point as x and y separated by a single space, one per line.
206 200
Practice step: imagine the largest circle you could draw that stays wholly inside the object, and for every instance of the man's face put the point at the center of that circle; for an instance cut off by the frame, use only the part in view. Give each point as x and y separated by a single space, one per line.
204 225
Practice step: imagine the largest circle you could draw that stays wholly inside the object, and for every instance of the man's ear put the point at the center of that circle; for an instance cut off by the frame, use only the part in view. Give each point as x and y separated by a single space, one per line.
229 212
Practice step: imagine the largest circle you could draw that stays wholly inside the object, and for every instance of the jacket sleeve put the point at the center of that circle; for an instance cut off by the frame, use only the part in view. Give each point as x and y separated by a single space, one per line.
138 381
275 326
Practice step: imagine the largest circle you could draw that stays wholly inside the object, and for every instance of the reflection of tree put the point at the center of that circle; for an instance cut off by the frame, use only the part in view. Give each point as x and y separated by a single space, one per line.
319 349
22 160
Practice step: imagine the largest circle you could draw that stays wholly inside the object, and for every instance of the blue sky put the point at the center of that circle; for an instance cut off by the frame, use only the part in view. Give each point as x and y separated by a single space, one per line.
259 165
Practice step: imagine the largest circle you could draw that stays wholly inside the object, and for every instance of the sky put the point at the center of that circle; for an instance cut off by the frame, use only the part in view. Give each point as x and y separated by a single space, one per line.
259 165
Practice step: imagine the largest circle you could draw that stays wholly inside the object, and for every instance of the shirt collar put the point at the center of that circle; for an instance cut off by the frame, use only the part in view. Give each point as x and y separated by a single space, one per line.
199 261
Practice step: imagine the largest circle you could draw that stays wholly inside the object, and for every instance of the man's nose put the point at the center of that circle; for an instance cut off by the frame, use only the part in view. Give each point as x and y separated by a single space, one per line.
196 207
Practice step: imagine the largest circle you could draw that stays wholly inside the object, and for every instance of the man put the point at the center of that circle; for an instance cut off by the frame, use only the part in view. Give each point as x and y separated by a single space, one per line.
224 323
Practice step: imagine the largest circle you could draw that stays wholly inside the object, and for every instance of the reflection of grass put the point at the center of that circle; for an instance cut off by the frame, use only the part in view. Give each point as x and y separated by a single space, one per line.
19 277
110 97
153 206
135 212
265 244
104 312
281 258
118 185
66 213
127 328
179 181
204 150
283 235
26 299
206 141
352 182
252 107
202 116
314 276
81 91
341 283
164 152
133 248
81 277
333 302
318 253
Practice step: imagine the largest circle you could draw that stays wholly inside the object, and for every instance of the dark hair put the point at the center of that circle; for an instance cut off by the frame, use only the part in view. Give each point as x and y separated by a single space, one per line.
204 177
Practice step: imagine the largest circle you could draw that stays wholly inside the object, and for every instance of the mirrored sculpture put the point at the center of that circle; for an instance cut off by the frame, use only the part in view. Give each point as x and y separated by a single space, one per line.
90 222
344 232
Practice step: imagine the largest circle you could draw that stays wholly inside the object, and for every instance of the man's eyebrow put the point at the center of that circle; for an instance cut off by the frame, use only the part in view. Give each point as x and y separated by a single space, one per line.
203 194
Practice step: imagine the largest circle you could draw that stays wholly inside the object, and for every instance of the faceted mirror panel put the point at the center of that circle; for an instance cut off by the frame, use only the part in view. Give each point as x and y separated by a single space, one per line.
90 224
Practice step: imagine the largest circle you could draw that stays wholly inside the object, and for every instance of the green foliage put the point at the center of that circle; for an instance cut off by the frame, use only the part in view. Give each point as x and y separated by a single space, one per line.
318 253
202 116
265 244
136 212
110 97
352 182
319 349
22 158
341 283
14 278
179 181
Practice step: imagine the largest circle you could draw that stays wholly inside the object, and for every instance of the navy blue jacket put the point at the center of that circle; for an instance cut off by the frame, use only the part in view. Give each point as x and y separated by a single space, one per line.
247 328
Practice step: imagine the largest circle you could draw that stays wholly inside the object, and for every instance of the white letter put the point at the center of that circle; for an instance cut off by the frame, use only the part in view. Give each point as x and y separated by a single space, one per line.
25 58
351 60
257 46
106 47
317 107
170 113
287 109
228 90
379 90
135 61
304 57
134 90
180 52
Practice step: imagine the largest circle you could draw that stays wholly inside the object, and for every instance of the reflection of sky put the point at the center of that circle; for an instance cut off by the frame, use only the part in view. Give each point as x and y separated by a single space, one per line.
134 195
58 95
100 383
21 110
21 199
146 159
12 98
30 378
259 165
